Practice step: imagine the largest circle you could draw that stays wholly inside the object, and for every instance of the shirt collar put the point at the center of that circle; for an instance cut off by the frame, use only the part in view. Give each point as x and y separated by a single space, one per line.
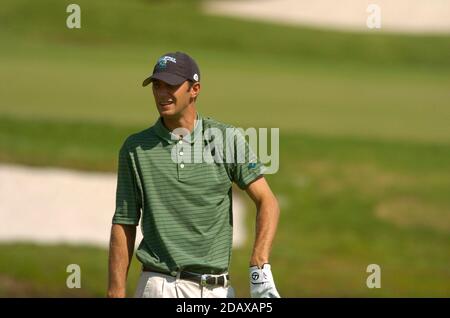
169 137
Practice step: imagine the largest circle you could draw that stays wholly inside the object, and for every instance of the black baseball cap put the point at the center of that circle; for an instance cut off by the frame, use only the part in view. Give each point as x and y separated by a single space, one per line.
174 69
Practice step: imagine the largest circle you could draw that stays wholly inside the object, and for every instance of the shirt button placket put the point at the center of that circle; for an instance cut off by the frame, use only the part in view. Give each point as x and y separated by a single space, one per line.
180 164
180 160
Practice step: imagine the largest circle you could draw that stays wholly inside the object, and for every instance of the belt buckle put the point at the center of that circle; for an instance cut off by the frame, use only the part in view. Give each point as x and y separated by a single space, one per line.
203 279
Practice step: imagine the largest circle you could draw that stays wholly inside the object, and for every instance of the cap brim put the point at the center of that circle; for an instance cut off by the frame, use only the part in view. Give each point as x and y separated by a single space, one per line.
169 78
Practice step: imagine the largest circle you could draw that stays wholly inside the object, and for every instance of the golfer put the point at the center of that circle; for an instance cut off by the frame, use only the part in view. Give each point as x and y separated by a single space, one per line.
175 178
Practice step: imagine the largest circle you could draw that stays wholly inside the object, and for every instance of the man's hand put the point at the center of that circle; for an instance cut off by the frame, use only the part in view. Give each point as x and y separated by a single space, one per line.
261 282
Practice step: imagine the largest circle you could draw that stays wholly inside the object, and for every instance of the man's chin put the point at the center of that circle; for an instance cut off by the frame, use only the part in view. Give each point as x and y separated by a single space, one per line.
167 112
165 108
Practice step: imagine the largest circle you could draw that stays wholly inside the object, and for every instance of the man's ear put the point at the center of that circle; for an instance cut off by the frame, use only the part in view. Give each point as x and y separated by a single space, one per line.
195 89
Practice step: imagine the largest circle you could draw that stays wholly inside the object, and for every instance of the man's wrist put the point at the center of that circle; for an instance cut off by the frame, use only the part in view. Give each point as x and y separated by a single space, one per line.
258 261
116 293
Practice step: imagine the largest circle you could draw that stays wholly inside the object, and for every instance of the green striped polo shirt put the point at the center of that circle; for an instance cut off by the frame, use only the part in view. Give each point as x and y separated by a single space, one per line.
184 204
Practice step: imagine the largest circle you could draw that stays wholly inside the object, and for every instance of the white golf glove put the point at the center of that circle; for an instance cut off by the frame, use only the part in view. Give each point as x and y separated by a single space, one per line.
261 283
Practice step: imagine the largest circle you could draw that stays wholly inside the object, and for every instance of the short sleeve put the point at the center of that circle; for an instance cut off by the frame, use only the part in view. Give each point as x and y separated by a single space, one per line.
246 167
128 203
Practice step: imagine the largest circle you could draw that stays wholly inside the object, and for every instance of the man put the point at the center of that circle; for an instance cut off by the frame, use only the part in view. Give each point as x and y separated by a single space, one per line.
183 203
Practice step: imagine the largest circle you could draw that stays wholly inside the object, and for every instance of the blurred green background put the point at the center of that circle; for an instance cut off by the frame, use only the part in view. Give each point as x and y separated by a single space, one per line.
364 136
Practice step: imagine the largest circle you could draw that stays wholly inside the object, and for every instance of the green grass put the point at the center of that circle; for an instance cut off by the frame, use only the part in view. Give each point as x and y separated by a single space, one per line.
308 81
87 146
182 23
364 122
40 270
325 99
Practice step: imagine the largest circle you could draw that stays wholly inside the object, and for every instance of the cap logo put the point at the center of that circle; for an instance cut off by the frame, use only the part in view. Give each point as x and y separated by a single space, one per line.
162 62
195 77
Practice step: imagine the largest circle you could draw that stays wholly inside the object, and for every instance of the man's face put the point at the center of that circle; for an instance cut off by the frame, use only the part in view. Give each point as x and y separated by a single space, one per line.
171 100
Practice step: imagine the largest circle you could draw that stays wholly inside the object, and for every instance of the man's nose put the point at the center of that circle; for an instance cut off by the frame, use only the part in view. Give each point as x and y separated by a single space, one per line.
163 92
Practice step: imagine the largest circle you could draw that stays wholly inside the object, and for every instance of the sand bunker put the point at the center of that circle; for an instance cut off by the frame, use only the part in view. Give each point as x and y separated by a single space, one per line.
410 16
51 205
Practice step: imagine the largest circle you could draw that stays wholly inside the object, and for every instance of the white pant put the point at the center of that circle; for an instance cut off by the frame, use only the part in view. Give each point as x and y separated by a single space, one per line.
157 285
